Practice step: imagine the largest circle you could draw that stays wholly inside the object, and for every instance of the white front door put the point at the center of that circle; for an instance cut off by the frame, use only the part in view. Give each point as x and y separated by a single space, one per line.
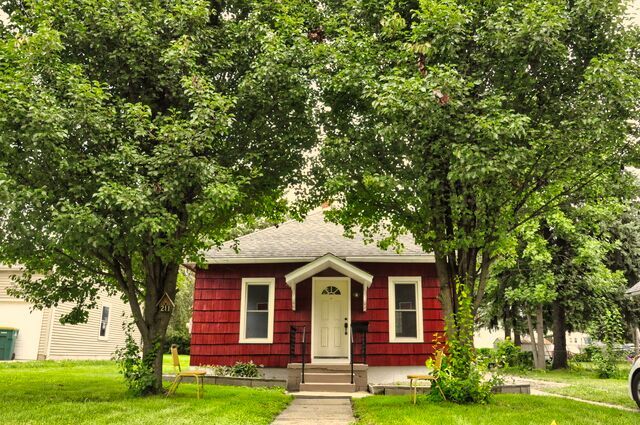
330 318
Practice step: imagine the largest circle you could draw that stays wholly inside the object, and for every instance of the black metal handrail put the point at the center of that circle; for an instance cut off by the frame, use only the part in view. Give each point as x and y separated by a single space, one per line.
293 332
292 343
362 329
352 353
304 350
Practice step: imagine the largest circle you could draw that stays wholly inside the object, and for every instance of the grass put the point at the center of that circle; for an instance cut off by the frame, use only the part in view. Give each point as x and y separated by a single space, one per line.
92 392
504 409
584 384
167 362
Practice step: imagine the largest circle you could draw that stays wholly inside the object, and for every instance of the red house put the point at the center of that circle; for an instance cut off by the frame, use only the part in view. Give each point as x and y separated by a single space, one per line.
304 288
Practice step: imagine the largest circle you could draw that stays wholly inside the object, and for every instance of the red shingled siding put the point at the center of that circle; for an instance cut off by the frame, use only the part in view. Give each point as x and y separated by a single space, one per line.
216 314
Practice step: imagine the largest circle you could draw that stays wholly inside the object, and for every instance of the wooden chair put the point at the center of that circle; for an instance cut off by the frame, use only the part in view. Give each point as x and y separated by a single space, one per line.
413 379
198 375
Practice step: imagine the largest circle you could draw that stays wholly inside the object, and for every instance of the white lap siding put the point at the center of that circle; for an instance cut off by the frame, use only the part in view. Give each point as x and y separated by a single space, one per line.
42 336
83 341
15 313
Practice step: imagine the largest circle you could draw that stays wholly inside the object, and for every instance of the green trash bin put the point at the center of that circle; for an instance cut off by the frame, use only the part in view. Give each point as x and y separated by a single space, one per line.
8 338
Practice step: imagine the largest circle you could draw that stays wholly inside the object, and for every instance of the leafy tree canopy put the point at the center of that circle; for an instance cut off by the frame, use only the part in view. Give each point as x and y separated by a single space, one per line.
134 134
459 121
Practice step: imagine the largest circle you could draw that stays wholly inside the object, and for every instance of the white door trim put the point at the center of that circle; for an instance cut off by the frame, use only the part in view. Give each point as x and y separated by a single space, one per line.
313 324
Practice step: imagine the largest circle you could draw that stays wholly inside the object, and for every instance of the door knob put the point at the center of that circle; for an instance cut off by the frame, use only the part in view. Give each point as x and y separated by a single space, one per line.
345 328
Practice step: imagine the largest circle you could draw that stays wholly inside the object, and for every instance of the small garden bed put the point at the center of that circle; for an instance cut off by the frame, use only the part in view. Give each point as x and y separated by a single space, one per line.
389 389
235 381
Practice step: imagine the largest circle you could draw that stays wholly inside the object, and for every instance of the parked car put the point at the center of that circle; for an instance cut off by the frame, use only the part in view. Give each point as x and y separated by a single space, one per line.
634 380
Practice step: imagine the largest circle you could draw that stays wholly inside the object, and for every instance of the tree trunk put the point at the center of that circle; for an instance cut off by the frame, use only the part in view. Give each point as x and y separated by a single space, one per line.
152 323
506 323
540 336
636 339
532 337
152 352
517 337
558 313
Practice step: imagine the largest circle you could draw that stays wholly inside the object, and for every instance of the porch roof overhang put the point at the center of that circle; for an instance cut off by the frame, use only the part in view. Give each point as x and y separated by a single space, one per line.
322 263
634 291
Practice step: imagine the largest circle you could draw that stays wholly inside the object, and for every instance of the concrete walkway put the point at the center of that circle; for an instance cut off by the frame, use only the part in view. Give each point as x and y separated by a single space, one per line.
317 411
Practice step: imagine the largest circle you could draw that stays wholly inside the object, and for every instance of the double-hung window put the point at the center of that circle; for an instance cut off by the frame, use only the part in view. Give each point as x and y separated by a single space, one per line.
405 309
257 310
104 322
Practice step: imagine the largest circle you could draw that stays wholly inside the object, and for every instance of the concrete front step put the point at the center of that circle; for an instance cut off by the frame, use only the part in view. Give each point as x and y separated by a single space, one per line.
328 387
332 378
328 374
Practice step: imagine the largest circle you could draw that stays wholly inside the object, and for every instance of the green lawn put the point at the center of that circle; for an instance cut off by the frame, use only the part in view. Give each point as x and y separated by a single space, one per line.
505 409
167 362
93 393
586 385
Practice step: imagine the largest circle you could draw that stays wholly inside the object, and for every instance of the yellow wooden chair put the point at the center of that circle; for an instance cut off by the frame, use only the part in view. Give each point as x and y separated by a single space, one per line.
198 375
413 379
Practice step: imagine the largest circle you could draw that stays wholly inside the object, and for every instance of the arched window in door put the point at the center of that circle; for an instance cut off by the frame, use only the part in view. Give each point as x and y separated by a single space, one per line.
331 290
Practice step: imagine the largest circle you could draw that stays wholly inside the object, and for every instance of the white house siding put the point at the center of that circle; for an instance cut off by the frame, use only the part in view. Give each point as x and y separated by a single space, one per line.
82 341
16 313
5 283
45 330
42 336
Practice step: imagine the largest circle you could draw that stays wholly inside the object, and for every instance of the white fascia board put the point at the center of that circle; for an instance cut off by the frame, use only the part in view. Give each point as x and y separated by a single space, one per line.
325 262
257 260
427 258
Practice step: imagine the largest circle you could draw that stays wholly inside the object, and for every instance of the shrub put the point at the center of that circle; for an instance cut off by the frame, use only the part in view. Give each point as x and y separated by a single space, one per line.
487 357
183 342
508 354
138 373
246 370
461 377
587 354
605 363
471 388
239 369
525 359
610 331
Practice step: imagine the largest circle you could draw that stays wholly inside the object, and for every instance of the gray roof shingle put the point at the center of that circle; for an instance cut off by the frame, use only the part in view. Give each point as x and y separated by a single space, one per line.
310 238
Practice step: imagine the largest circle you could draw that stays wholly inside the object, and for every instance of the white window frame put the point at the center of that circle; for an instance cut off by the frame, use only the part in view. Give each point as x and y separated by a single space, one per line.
417 281
106 334
271 282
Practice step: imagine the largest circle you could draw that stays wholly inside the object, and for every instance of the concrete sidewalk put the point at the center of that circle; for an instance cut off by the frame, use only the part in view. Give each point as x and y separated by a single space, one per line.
317 411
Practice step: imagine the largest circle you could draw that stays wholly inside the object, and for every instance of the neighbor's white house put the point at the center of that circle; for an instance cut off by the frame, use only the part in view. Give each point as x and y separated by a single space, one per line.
42 336
487 338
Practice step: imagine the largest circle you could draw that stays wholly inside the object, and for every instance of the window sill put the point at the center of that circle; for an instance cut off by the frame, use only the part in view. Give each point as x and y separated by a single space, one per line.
406 341
256 341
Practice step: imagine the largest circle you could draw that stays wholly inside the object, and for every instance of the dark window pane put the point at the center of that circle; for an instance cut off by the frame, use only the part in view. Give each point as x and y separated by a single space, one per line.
406 324
257 324
104 321
405 296
258 297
